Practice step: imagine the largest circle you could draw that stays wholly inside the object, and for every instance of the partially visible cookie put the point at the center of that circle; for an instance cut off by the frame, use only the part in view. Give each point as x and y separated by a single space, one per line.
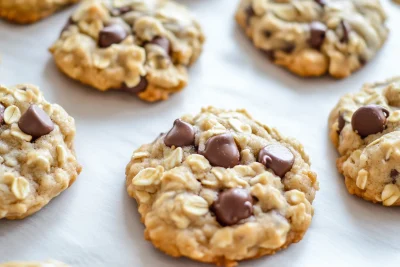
315 37
49 263
142 47
28 11
37 158
364 127
221 187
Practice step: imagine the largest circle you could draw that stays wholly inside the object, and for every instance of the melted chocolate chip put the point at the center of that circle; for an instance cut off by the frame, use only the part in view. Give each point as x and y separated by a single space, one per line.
111 34
370 119
35 122
278 158
221 151
120 11
249 14
163 42
181 134
140 87
232 206
69 22
321 2
341 123
267 34
346 31
317 34
2 108
394 174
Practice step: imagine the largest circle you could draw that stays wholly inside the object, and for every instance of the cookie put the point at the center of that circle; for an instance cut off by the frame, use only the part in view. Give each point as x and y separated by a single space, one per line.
315 37
364 128
221 187
28 11
137 46
37 158
49 263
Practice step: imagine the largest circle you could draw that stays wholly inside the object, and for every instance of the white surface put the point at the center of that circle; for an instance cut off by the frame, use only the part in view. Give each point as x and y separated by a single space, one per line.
95 223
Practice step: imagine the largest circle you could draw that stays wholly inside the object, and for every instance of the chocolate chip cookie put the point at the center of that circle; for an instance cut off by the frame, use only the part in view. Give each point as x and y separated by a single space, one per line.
221 187
49 263
315 37
37 158
28 11
141 47
364 128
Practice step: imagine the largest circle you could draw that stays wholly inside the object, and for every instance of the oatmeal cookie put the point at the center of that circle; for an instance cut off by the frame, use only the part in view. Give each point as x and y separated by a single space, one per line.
142 47
315 37
28 11
49 263
221 187
37 158
364 127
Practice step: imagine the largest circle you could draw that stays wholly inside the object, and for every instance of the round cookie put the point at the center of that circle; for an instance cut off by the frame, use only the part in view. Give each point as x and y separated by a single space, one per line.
364 128
28 11
315 37
37 158
50 263
142 47
221 187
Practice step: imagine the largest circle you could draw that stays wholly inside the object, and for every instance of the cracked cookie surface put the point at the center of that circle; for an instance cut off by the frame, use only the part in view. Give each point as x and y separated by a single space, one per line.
142 47
37 158
220 187
364 127
28 11
315 37
49 263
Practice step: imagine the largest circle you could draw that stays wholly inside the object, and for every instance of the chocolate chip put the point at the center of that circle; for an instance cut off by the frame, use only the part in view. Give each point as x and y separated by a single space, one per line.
317 34
278 158
289 48
181 134
346 28
321 2
111 34
394 174
120 11
69 22
249 14
140 87
232 206
2 108
221 151
163 42
370 119
35 122
267 34
341 123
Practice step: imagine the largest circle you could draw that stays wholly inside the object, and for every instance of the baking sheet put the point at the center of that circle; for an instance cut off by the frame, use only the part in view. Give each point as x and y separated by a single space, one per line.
95 223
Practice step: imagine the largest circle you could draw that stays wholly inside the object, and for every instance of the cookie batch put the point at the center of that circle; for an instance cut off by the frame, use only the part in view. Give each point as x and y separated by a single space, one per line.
218 187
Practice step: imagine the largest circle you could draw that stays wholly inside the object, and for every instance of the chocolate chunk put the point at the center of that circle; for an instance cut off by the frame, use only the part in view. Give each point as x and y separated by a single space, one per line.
181 134
317 34
249 14
346 28
370 119
278 158
321 2
221 151
2 108
163 42
341 123
140 87
232 206
111 34
69 22
35 122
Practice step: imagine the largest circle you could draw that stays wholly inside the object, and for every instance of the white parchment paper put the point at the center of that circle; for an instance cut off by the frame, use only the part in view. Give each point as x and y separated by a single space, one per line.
95 223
